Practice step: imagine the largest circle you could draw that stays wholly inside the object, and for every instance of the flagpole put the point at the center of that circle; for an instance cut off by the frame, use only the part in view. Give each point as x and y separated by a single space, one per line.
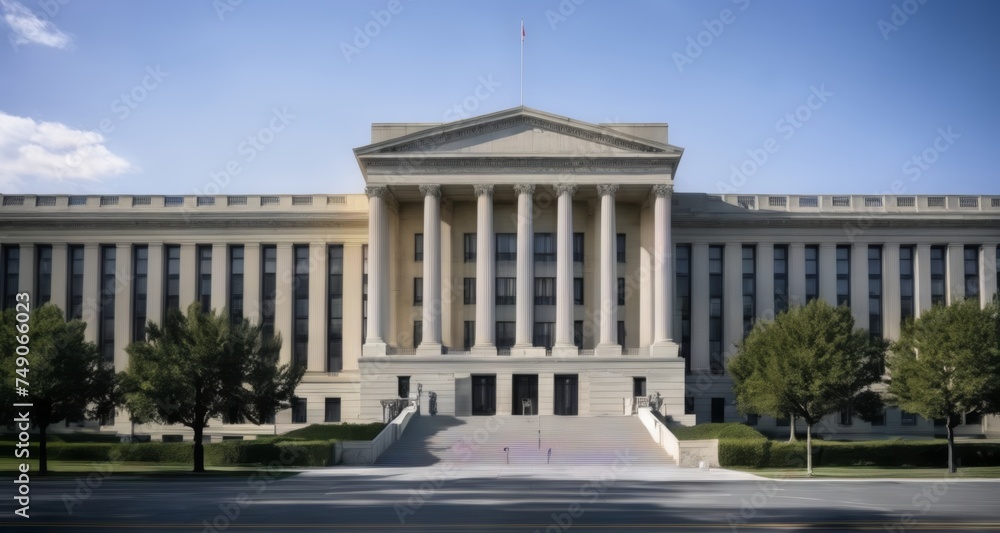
522 62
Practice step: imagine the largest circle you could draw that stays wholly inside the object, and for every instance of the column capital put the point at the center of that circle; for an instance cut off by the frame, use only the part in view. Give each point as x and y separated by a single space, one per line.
561 188
377 191
663 190
483 189
608 189
524 188
431 190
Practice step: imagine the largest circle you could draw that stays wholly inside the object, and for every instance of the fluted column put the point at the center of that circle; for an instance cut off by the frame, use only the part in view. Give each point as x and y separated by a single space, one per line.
828 272
607 311
859 284
987 272
663 278
378 265
60 274
26 272
123 303
431 340
525 266
956 273
485 273
564 271
890 291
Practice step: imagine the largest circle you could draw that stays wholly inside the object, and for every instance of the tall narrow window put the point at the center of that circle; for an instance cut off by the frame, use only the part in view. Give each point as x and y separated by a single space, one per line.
812 272
543 335
106 331
469 245
972 271
172 277
545 291
43 275
11 274
506 291
938 284
298 410
205 277
749 287
621 291
715 355
236 283
505 335
469 334
506 247
335 309
300 334
268 287
75 304
844 275
577 291
578 333
620 247
469 291
418 247
875 290
418 291
418 332
780 279
545 247
140 292
332 410
682 300
577 247
621 333
905 283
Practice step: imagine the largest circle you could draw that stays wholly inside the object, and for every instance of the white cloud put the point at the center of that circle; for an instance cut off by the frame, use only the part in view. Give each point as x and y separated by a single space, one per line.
27 28
33 151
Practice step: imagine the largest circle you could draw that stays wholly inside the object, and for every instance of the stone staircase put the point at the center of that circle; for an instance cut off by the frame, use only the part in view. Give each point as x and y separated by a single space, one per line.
595 441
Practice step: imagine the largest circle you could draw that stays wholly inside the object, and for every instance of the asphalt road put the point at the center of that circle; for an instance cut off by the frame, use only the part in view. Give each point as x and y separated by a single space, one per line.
455 498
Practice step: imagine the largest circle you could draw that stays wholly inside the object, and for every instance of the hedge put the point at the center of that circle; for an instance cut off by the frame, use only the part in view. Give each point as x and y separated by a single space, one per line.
316 432
291 453
884 453
728 430
753 453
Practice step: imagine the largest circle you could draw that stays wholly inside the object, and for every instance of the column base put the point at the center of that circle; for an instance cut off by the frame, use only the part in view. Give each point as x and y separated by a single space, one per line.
427 348
527 350
565 350
374 348
664 349
608 350
483 349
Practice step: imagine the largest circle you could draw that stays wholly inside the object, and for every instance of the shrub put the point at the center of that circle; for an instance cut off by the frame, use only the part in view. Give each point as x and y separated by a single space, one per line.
254 452
729 430
157 452
82 451
754 453
306 453
336 431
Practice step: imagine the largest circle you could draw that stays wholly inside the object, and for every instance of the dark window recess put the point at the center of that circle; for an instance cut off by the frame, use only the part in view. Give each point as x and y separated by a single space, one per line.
298 410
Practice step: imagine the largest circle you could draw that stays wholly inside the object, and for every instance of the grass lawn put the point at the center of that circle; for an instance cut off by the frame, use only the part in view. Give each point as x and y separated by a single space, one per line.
862 472
337 432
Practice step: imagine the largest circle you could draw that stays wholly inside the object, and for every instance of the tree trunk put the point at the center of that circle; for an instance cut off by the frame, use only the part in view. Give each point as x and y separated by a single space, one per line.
791 429
199 448
951 448
809 449
43 454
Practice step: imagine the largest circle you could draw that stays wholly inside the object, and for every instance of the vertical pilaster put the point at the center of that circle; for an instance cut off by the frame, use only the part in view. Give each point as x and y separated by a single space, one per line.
189 275
378 265
525 265
922 278
732 294
699 306
956 273
859 284
765 280
607 311
828 272
123 303
890 291
796 274
663 274
987 272
91 289
220 278
284 296
353 298
26 277
154 283
431 340
318 279
564 271
251 281
60 274
485 273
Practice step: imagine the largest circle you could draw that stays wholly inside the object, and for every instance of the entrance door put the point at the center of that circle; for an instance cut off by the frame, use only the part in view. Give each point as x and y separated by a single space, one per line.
484 395
524 395
566 396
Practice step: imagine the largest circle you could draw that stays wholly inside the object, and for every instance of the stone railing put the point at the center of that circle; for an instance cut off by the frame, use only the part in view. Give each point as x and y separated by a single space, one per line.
861 203
687 453
360 452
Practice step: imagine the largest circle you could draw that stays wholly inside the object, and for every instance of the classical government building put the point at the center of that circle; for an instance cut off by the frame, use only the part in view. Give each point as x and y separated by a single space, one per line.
515 263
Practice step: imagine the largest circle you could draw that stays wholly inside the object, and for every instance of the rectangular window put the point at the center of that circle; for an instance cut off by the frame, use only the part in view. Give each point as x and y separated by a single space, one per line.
639 387
469 291
620 247
621 333
506 247
268 280
140 292
972 271
715 355
469 246
418 332
418 291
907 419
171 278
298 410
578 333
106 331
402 386
332 410
844 275
236 283
11 274
938 283
75 304
543 334
205 277
506 291
233 415
780 279
469 335
621 291
505 335
875 290
418 247
545 291
577 247
43 275
845 417
545 247
812 272
749 287
577 291
879 419
682 300
905 283
300 309
718 410
335 308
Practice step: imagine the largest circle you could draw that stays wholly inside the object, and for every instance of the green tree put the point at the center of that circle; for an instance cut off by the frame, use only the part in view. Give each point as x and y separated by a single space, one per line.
807 363
196 367
67 379
947 363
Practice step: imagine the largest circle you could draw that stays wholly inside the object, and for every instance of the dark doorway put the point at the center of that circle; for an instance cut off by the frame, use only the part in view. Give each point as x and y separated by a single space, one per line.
718 410
484 395
566 395
639 387
524 394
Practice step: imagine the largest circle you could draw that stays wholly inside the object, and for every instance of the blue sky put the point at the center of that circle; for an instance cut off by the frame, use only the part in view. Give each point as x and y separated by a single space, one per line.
845 96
